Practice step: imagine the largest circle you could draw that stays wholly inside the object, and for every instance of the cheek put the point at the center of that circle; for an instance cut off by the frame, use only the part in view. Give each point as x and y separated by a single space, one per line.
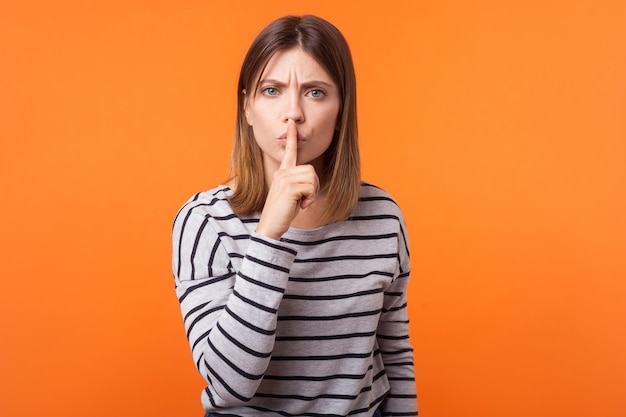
332 120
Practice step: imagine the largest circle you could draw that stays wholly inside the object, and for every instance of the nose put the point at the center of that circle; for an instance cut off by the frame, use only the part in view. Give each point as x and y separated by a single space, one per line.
293 109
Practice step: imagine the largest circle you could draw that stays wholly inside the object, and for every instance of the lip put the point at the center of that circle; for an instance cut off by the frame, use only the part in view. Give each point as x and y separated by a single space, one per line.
283 139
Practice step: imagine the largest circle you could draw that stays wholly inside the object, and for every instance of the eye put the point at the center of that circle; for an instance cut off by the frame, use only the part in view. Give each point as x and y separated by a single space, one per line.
270 91
316 93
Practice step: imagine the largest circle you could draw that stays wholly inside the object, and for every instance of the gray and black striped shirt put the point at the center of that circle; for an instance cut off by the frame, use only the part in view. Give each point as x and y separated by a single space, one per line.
312 325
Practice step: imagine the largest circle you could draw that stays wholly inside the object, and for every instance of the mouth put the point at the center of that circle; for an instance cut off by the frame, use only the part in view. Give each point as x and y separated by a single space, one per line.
283 139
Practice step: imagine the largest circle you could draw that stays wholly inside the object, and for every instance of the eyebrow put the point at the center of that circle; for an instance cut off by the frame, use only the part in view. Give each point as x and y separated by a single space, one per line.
312 83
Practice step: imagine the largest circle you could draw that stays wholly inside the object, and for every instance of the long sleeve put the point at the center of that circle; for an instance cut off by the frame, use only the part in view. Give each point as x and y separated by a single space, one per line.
229 314
313 324
393 339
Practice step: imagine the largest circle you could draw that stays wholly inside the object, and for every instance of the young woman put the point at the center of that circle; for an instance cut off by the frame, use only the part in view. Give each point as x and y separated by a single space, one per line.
292 276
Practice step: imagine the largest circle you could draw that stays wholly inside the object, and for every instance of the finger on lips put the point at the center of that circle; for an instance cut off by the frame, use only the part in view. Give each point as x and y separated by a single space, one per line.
291 146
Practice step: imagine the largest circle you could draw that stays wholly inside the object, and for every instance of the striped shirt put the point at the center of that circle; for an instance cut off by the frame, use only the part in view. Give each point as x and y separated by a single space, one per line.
314 324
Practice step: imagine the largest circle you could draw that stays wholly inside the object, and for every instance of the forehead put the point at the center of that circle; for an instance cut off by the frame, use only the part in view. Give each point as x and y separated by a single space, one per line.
296 62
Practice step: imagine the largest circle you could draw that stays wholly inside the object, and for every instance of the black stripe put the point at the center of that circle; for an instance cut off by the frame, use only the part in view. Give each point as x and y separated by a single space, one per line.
266 264
401 396
379 375
193 310
410 363
282 413
223 382
194 198
208 392
201 338
385 337
241 345
342 238
222 190
234 237
395 352
375 217
347 257
273 245
406 243
195 247
200 317
249 325
313 378
232 365
394 294
322 357
402 307
378 198
227 217
180 242
333 297
373 404
216 245
326 337
340 277
203 284
254 303
327 318
261 283
305 398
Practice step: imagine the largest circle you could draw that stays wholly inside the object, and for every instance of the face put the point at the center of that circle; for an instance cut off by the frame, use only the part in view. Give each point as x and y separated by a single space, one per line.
293 86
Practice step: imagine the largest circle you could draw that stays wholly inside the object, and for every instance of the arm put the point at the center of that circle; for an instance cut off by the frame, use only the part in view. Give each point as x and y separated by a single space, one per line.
229 315
235 311
393 339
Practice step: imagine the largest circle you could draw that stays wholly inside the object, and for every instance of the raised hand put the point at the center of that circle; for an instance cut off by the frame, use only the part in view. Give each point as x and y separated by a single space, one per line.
294 187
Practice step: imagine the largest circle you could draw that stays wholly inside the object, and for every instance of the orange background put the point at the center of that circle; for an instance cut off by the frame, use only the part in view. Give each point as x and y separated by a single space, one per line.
498 126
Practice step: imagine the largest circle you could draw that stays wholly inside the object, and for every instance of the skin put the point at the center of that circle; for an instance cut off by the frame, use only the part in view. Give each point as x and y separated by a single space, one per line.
293 116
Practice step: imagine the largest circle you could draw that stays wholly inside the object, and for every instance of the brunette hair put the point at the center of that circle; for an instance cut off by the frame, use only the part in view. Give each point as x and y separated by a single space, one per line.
328 47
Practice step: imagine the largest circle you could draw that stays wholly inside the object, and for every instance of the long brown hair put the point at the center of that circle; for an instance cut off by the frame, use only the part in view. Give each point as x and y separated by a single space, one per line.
328 47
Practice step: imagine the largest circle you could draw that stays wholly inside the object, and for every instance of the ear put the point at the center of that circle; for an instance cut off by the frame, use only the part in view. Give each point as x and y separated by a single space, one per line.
245 106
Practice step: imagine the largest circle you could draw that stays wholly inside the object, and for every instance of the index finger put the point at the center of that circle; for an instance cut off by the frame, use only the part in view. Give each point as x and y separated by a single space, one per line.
290 156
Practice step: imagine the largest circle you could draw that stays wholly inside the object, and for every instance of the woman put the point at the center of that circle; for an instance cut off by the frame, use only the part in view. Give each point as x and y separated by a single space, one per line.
292 276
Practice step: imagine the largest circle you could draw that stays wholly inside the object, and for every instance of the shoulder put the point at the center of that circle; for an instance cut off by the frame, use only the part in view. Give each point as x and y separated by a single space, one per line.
371 190
374 200
378 205
210 203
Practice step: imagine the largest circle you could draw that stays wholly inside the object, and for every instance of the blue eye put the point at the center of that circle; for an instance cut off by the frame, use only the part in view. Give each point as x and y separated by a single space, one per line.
317 93
270 91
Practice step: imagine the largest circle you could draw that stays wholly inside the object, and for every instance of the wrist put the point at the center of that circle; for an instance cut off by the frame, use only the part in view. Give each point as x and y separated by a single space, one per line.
263 231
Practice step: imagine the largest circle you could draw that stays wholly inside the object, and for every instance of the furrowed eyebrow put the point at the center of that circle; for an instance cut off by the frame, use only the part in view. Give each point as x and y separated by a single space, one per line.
272 82
308 84
317 83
